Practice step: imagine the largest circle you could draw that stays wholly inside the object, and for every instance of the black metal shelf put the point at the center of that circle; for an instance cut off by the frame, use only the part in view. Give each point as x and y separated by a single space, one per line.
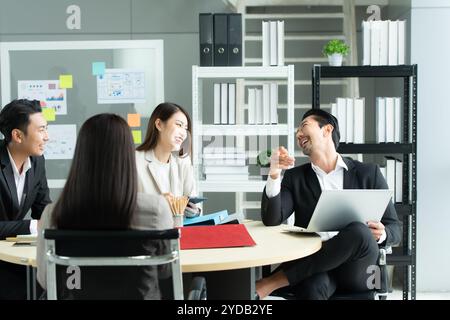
405 255
403 209
368 71
399 259
376 148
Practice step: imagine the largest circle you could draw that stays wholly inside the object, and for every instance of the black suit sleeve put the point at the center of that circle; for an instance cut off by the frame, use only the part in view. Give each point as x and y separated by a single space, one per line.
390 218
277 209
42 195
13 228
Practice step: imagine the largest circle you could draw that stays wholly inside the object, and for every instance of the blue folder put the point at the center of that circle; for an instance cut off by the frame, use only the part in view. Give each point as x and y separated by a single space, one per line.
207 219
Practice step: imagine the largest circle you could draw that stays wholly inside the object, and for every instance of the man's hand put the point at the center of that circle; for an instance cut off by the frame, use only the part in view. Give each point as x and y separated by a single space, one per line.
280 160
377 229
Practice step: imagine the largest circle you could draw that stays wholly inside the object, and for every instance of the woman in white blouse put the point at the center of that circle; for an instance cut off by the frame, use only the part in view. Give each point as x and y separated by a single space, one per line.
163 162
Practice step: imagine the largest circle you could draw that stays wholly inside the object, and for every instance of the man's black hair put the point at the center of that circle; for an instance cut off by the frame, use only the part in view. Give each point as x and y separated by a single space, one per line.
324 118
16 115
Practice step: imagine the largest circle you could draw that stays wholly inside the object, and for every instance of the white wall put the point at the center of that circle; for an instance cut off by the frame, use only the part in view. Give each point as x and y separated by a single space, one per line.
430 49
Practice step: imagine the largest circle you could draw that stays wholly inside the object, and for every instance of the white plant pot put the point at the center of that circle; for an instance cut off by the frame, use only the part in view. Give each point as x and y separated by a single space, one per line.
335 60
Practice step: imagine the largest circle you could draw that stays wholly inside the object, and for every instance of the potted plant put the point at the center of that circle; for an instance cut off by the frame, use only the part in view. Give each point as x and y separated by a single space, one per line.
335 50
263 161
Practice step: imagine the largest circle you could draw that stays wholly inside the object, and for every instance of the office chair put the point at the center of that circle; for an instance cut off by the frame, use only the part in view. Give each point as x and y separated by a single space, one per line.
375 294
128 264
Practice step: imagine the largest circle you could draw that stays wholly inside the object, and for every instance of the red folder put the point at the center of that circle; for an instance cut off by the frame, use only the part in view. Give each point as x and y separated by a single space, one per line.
220 236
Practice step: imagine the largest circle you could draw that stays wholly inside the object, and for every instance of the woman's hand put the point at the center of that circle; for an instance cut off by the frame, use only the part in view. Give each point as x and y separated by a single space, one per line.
192 210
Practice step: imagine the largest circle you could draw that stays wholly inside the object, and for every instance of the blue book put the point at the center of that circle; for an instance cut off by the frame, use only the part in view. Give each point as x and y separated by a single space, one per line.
207 219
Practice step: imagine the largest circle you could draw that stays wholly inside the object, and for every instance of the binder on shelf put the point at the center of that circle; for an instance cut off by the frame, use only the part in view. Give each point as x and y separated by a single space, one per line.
206 39
210 219
221 236
235 39
220 39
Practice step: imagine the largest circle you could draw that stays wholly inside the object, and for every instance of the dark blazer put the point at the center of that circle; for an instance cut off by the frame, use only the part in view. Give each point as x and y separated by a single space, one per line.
300 191
35 193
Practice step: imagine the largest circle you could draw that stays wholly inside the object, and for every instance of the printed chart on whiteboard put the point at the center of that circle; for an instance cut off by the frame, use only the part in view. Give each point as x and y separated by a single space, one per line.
61 143
121 86
47 92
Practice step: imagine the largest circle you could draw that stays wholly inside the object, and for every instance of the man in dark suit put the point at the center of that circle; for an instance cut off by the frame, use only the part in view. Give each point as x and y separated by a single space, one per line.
23 184
341 264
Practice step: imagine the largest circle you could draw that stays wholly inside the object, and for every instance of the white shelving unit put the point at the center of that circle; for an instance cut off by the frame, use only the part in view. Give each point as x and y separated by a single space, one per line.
243 76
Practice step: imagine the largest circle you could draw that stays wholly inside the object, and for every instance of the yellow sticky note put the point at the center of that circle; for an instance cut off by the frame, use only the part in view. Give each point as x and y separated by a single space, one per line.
134 119
137 136
65 81
49 114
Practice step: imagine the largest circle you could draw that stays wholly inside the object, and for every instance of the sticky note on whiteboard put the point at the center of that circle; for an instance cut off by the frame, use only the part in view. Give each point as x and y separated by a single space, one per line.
134 119
98 68
65 81
49 114
137 136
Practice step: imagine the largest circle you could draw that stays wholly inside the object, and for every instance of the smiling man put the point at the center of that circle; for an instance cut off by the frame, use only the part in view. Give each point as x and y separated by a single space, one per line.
341 264
23 184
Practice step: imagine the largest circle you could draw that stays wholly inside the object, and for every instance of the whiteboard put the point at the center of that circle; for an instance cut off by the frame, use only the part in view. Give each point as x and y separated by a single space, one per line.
47 60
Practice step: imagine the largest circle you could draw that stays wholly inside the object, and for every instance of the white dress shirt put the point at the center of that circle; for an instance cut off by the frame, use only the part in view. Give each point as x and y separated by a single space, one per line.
19 179
334 180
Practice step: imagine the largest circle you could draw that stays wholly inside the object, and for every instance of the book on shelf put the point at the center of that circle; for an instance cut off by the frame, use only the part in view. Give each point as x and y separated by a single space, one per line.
273 103
393 173
217 101
224 103
388 119
380 110
251 115
231 103
350 112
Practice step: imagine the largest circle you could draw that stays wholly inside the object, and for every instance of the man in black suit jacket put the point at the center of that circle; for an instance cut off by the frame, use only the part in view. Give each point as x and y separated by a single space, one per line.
341 264
23 184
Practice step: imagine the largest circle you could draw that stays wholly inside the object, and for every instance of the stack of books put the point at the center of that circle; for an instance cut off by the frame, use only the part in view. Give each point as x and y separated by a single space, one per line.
388 117
383 43
225 164
263 104
273 43
350 115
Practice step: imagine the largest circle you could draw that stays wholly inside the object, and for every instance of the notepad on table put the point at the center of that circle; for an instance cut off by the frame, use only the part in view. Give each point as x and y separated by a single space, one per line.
221 236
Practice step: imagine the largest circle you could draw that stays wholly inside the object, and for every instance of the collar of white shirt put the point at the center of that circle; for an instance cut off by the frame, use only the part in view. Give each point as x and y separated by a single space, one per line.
340 164
26 165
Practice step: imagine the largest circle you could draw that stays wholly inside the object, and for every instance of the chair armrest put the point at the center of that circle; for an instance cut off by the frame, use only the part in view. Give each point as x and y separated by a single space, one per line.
197 290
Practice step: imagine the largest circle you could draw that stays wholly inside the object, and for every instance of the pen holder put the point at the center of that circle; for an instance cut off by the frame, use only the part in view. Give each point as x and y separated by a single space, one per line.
178 220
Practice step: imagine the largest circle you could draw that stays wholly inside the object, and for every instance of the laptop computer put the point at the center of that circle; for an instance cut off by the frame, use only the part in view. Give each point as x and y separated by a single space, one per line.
338 208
